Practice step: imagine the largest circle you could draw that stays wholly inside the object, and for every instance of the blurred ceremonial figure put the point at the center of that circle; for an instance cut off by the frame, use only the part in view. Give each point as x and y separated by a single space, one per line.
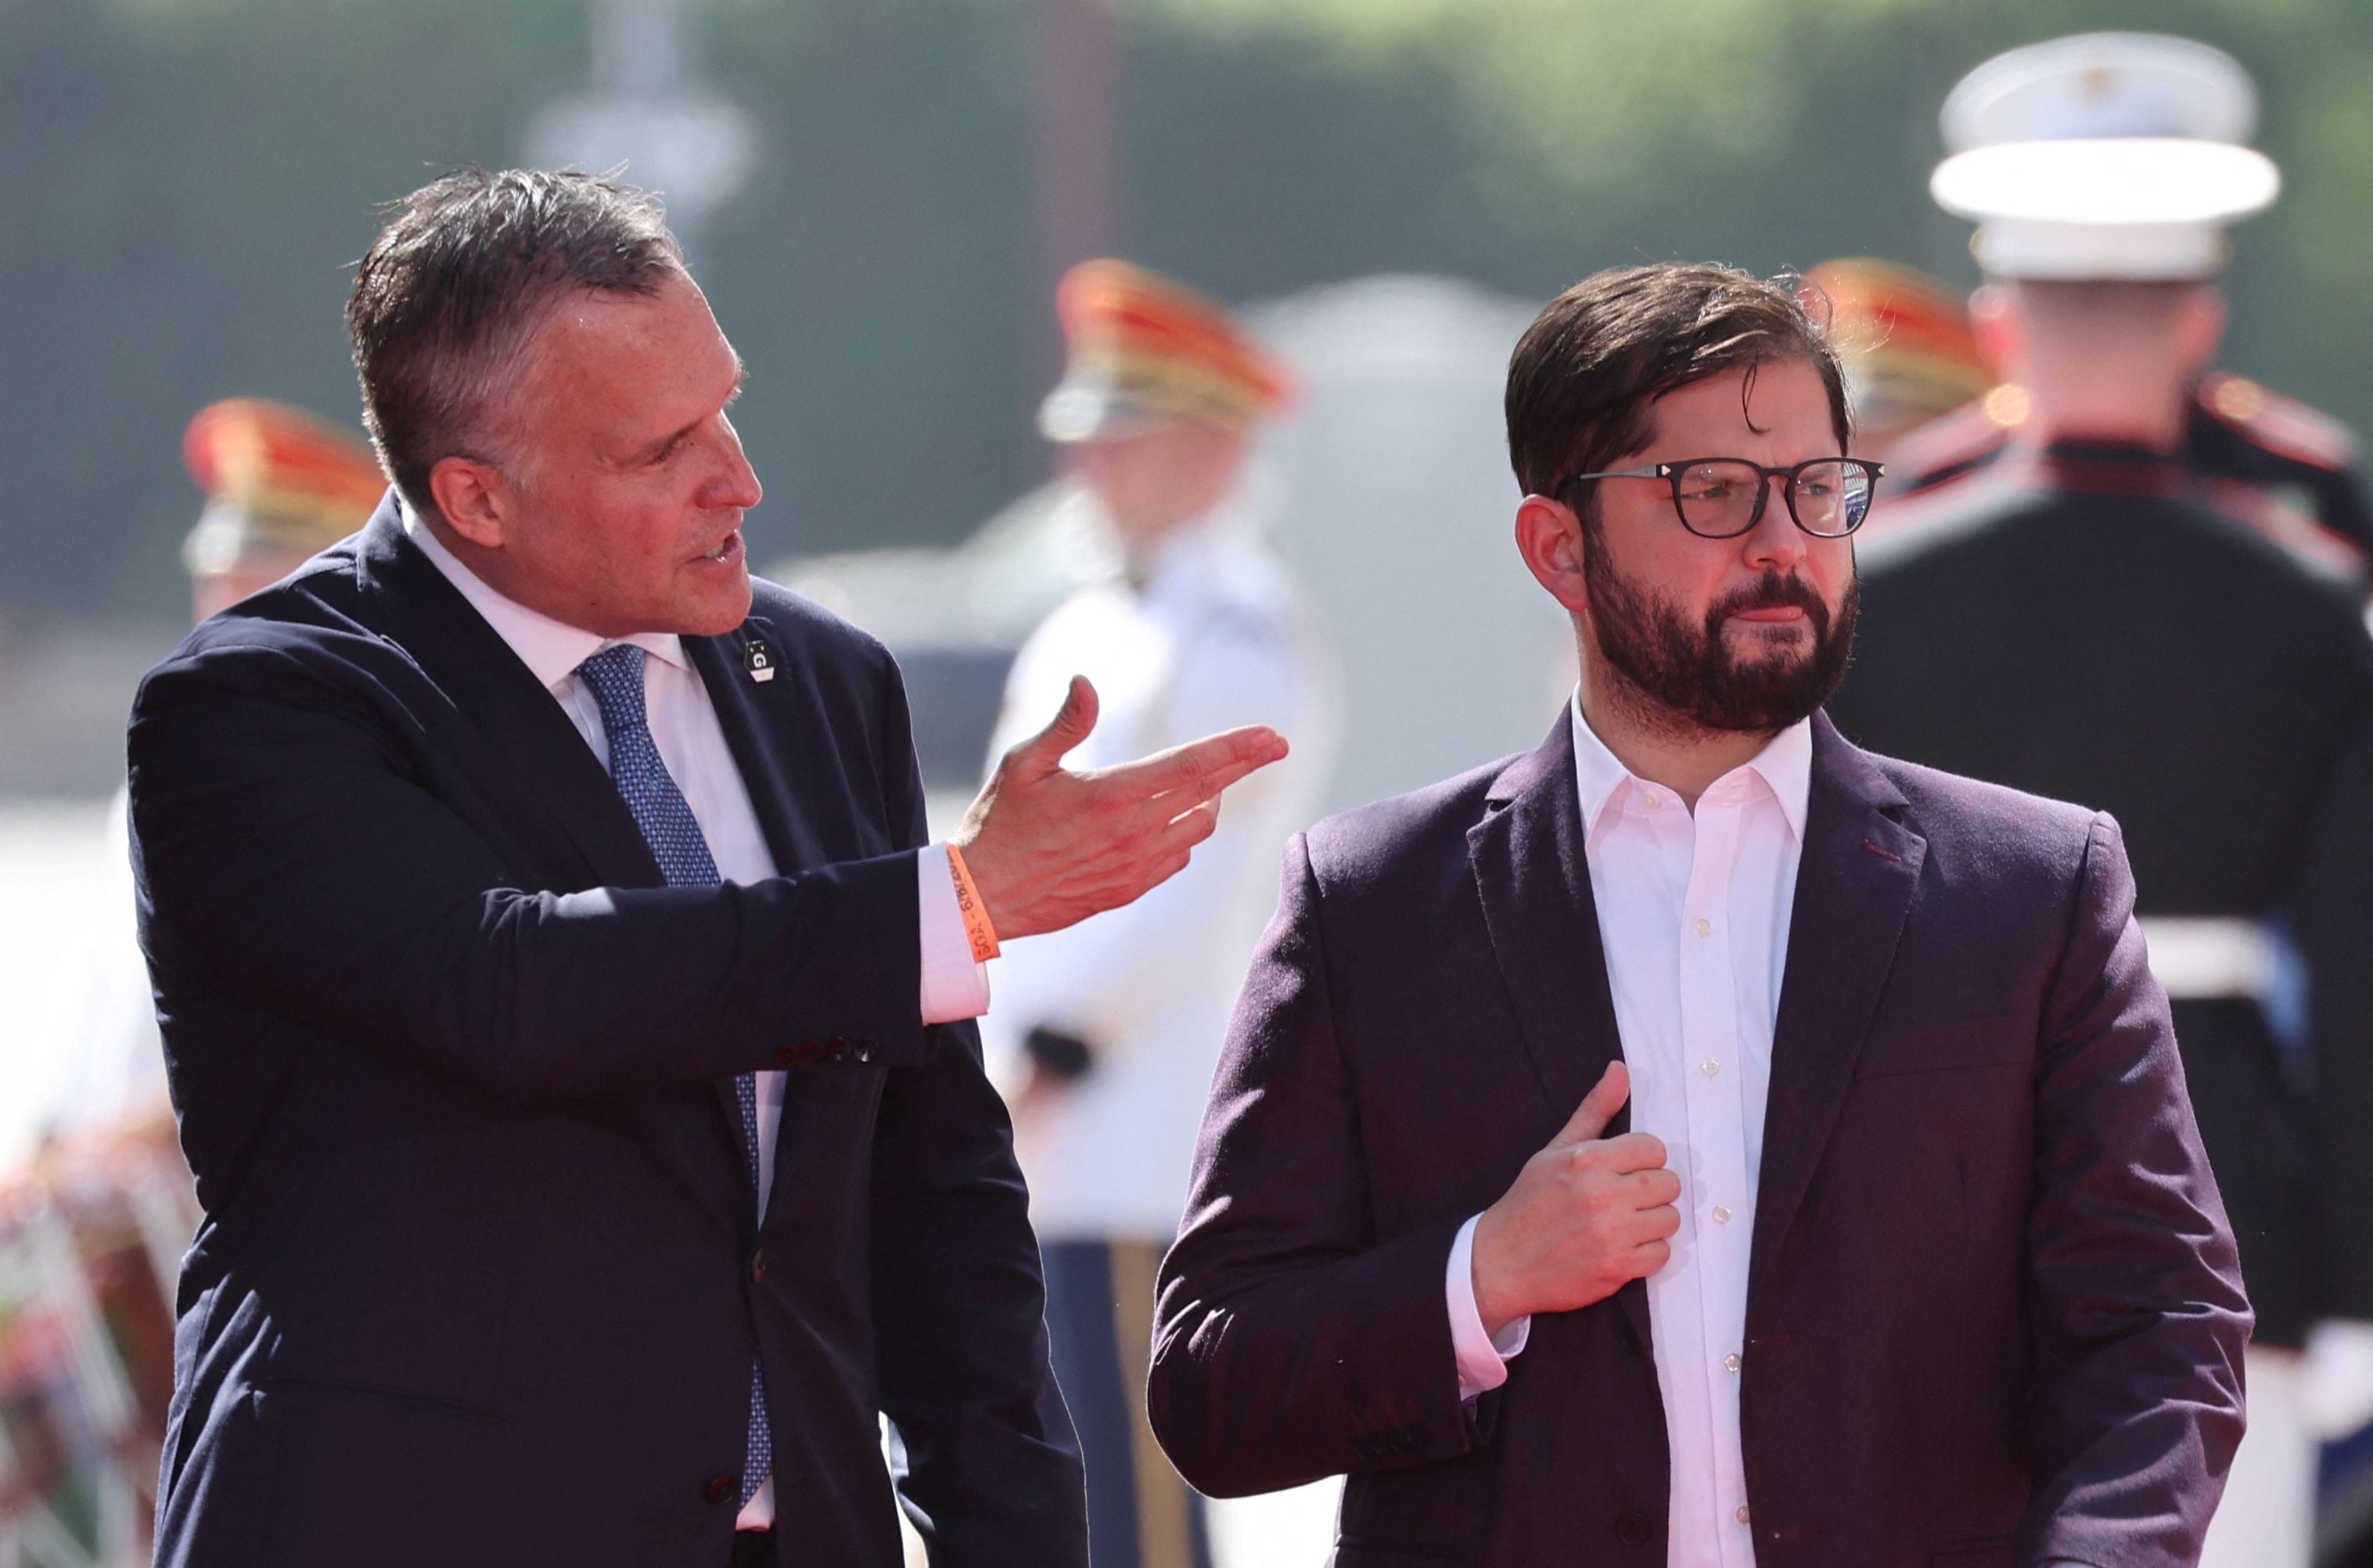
2264 458
2073 620
280 484
569 1021
1104 1035
1905 340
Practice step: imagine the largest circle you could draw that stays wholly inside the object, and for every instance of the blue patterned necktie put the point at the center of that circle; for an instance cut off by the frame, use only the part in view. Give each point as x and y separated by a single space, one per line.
614 676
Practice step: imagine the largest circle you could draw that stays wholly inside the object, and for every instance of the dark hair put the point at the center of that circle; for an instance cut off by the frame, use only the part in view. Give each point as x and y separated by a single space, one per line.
461 275
1584 373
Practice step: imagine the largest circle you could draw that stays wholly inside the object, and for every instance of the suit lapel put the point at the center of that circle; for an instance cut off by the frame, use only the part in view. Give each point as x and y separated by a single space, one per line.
546 777
761 720
758 720
1534 880
1854 888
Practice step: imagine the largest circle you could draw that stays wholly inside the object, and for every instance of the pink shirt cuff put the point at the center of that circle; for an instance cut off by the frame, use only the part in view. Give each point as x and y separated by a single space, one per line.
1482 1358
954 987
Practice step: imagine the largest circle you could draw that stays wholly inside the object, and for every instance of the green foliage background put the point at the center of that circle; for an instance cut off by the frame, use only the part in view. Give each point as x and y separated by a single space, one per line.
182 184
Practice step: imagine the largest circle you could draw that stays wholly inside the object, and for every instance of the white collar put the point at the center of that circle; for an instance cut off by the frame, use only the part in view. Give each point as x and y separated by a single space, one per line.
551 649
1785 767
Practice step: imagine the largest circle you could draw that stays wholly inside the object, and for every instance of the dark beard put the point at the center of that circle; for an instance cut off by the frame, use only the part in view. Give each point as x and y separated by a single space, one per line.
1691 673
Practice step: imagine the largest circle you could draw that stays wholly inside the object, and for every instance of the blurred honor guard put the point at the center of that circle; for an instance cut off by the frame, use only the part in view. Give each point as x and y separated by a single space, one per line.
2077 621
2120 156
1905 338
1104 1037
280 484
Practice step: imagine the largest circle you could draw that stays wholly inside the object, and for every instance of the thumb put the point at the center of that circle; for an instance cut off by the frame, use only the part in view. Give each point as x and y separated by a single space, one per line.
1598 1107
1044 752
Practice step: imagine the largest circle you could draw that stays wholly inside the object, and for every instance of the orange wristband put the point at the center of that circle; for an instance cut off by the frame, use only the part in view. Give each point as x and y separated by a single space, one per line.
975 913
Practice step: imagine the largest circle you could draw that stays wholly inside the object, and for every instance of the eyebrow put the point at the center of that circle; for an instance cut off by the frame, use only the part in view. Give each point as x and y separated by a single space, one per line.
658 448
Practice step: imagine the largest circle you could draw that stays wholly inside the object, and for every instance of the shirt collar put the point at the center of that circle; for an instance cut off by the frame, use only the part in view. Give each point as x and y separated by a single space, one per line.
551 649
1786 766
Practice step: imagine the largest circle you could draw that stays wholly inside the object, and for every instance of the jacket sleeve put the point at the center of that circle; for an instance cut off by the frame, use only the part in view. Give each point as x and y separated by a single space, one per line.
290 860
982 1449
2134 1292
1292 1341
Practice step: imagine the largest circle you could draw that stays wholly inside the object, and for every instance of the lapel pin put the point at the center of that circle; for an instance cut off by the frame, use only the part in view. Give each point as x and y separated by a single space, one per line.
759 660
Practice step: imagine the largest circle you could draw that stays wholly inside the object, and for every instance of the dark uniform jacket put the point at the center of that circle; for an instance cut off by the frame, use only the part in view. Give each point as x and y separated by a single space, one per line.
480 1278
2072 626
1993 1315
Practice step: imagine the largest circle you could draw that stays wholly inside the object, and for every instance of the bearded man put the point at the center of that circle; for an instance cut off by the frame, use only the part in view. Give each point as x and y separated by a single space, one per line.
1699 1140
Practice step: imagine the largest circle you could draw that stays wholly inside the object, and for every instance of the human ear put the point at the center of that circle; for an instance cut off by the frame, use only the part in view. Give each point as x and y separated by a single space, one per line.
2200 329
1548 537
473 498
1993 321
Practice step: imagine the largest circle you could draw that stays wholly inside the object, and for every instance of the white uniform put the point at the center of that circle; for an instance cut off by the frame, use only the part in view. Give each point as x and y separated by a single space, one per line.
1214 637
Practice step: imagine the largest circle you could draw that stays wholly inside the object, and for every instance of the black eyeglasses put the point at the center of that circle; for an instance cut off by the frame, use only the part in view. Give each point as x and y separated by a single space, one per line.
1722 497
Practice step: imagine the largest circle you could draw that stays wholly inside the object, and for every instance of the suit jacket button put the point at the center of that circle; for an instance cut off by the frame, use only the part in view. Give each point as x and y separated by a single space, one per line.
720 1487
757 1265
1632 1528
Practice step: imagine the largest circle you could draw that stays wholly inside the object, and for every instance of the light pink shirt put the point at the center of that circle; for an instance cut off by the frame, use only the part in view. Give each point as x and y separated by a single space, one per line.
1694 912
684 727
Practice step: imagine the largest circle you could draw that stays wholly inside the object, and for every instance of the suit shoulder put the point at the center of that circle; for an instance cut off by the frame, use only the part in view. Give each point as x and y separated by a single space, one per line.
1355 851
814 632
1991 823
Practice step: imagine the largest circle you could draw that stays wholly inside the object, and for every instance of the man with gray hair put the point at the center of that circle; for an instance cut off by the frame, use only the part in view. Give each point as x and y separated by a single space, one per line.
568 1021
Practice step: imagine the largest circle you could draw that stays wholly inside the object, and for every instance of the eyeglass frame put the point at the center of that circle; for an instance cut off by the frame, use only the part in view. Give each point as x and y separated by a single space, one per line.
1671 473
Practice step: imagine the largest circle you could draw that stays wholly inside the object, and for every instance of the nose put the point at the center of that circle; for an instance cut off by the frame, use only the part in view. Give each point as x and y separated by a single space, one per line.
735 484
1775 541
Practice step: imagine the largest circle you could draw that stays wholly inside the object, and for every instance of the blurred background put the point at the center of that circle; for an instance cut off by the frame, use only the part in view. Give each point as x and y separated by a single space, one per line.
879 196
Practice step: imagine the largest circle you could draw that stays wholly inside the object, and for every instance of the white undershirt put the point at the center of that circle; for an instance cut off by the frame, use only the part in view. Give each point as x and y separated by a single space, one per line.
1693 913
684 727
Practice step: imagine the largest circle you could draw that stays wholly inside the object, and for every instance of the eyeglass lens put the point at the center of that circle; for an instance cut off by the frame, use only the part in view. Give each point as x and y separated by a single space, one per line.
1718 498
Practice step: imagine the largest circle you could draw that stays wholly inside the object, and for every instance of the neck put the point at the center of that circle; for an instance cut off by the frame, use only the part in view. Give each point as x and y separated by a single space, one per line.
1653 741
2107 399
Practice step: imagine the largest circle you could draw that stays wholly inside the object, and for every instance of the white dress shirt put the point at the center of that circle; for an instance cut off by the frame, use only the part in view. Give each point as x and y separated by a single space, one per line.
691 744
1694 912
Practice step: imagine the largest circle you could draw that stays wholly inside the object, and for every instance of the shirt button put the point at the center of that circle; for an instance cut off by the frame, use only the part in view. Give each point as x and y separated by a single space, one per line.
1721 1215
1730 1362
1648 798
1704 928
1709 1067
1739 1512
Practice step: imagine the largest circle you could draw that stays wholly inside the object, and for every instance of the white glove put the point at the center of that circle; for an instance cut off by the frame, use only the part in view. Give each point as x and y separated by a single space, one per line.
2336 1378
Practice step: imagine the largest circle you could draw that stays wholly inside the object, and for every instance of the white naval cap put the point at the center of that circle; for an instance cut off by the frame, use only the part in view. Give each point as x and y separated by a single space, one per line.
2103 155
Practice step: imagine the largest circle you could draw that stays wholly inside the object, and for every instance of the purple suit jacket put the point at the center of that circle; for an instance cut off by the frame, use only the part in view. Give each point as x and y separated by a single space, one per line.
1994 1312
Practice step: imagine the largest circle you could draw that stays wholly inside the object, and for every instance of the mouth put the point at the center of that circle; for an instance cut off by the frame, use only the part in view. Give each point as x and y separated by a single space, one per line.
1771 615
726 554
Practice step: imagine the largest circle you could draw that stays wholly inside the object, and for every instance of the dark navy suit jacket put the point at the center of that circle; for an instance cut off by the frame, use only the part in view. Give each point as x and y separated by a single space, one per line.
1994 1314
480 1277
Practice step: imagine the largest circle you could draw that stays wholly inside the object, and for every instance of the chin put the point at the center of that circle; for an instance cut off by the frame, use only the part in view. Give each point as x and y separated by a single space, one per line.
715 614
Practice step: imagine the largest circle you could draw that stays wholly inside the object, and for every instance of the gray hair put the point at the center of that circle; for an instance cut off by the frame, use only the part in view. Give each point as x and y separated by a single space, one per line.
452 290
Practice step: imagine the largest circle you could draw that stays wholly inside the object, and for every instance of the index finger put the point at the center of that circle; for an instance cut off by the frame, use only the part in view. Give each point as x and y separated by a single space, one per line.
1199 770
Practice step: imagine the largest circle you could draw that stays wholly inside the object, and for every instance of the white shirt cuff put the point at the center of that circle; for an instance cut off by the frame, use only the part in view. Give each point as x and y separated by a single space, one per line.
954 987
1482 1358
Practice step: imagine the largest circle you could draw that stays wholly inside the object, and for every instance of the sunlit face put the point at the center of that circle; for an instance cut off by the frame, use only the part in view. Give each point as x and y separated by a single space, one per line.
624 515
1153 480
1750 633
